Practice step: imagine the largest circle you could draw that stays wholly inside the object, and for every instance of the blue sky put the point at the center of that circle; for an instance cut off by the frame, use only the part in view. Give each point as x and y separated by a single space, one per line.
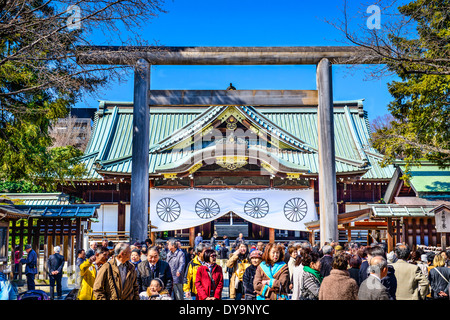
252 23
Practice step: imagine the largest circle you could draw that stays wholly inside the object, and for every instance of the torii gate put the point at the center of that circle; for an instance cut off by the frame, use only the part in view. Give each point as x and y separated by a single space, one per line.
143 57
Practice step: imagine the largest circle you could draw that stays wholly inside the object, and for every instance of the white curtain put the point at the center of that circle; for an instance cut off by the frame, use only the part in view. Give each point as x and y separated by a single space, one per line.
173 209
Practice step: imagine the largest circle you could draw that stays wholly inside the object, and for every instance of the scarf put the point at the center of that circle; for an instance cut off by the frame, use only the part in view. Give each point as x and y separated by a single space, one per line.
210 266
314 272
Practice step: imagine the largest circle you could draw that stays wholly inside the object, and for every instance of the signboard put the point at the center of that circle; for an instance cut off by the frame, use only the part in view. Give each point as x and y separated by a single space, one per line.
442 219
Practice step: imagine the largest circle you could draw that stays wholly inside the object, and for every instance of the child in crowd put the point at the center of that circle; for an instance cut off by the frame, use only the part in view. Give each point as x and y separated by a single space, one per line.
155 291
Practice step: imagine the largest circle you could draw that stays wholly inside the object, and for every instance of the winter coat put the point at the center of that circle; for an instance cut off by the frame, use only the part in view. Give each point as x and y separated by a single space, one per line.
438 283
354 274
238 265
55 263
278 274
190 275
297 278
8 291
31 262
326 264
310 286
205 287
338 286
363 270
291 266
176 262
197 240
145 275
390 282
249 276
412 284
373 289
223 252
88 272
108 279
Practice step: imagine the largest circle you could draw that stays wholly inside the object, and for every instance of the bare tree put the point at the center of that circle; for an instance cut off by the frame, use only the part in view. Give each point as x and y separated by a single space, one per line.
410 40
396 41
42 38
40 78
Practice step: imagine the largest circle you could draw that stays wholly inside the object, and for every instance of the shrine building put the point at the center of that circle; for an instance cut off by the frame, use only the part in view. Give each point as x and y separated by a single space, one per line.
243 150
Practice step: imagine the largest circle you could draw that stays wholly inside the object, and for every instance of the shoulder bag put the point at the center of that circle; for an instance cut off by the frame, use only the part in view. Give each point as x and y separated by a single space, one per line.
114 281
441 274
211 293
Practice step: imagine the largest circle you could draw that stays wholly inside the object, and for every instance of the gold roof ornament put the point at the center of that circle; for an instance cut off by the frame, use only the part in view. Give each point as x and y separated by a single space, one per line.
231 87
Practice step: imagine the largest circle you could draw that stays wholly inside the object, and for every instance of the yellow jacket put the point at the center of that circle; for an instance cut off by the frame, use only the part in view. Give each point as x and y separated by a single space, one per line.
238 267
88 272
190 275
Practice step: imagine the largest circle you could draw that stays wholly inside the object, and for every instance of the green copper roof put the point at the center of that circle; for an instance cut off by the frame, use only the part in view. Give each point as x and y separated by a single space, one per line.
109 147
394 210
429 179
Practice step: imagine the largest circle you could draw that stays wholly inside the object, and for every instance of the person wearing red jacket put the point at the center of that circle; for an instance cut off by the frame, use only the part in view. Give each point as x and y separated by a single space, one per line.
209 279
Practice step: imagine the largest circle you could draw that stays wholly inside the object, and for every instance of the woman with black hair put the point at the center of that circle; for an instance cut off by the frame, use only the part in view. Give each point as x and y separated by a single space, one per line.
209 278
297 276
311 278
238 262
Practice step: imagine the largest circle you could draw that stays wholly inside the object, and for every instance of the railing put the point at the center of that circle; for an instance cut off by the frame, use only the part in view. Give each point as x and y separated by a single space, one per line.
114 236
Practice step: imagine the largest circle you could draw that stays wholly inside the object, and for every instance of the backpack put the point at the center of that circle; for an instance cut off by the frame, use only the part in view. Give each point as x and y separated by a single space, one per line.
33 295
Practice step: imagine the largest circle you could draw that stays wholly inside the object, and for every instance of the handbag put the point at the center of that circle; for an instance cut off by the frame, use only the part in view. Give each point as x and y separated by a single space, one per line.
282 296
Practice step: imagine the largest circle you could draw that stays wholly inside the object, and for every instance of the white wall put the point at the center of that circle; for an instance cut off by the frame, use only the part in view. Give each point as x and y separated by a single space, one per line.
108 216
127 217
355 207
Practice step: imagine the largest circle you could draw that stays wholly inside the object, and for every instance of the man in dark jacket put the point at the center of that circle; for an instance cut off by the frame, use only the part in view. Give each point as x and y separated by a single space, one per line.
326 262
55 264
31 266
154 268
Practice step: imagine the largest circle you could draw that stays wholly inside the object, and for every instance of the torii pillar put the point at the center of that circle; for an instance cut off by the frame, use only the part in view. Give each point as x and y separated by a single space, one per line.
327 166
139 206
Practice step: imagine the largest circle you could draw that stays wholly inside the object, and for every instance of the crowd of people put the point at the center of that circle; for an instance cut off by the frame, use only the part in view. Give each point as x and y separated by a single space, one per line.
257 271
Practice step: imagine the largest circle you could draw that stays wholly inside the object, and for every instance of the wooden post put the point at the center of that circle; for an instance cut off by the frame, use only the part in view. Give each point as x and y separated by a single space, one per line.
327 166
390 235
139 206
271 235
349 234
192 236
153 237
311 237
444 241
